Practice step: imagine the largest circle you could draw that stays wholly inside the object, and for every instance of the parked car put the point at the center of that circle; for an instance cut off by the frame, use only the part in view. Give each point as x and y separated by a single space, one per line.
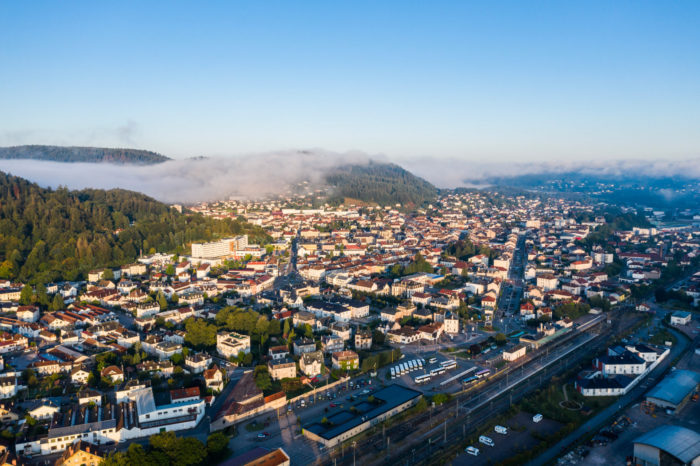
472 451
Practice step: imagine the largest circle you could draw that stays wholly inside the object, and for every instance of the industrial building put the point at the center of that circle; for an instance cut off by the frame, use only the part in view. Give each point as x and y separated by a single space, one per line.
674 390
668 445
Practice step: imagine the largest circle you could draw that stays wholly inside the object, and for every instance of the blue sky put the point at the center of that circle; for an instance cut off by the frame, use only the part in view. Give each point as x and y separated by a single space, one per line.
472 81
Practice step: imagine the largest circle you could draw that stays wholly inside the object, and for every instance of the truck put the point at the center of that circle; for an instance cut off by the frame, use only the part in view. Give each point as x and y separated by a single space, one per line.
486 440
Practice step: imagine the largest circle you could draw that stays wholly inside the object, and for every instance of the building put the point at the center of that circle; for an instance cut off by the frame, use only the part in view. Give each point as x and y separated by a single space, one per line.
681 318
515 353
232 343
282 369
310 364
347 423
304 345
226 247
675 389
451 323
667 445
363 340
346 360
80 454
626 363
260 457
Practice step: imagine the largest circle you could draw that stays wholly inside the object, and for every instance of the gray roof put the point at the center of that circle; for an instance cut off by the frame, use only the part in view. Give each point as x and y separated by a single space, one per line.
678 441
675 386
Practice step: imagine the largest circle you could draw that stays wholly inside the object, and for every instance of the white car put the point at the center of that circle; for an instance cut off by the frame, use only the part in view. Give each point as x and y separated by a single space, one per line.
472 451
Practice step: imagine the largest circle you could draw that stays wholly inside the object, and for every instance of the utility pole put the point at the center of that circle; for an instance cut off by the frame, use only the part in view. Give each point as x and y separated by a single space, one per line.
445 430
354 446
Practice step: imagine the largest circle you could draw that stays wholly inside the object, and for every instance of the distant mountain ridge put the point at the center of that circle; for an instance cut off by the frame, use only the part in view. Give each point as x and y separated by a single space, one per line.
74 154
380 183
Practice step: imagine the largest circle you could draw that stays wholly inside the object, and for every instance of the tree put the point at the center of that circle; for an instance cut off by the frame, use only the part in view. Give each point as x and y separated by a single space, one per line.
177 359
274 328
500 339
217 445
108 274
170 269
26 296
56 303
162 301
199 333
285 331
175 298
308 331
42 296
262 378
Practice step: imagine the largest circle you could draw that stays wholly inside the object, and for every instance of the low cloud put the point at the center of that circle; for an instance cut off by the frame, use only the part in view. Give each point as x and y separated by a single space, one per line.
193 180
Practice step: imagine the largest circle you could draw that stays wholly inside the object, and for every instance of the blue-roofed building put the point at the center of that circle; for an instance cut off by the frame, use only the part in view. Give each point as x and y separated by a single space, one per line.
675 389
681 318
365 413
668 445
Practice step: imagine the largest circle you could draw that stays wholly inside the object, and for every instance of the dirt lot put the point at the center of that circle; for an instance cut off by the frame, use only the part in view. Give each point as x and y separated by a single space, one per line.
522 435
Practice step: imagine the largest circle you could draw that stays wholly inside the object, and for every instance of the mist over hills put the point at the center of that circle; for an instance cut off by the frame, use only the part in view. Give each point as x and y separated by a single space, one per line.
82 154
340 175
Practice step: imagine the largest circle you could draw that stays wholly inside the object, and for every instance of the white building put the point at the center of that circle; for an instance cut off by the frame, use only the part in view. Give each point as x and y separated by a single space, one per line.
231 343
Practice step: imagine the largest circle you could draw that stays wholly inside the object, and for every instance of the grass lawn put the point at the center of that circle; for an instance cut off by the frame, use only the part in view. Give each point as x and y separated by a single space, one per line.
661 337
547 402
254 426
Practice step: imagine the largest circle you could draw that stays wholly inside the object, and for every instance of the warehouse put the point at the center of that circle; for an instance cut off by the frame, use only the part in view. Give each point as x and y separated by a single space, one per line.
674 390
668 445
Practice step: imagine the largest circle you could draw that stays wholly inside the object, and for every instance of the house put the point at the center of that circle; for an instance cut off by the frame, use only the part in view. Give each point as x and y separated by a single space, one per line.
80 453
43 411
304 345
345 360
282 369
547 282
430 332
681 318
79 375
278 352
28 313
626 363
311 363
451 323
363 340
403 335
332 343
112 373
214 379
197 362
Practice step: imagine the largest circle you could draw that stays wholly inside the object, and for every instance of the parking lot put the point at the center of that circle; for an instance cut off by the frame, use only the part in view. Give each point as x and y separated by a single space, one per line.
522 435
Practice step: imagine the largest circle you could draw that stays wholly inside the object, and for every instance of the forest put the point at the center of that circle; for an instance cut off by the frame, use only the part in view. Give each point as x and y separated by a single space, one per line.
48 235
380 183
82 154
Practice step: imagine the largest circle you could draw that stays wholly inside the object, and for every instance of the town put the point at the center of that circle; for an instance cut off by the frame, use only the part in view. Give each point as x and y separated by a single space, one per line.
351 323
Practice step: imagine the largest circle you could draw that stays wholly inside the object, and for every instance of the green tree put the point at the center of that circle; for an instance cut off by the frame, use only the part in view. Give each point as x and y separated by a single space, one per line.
42 297
162 301
217 445
26 296
199 333
108 274
262 378
501 339
56 303
170 269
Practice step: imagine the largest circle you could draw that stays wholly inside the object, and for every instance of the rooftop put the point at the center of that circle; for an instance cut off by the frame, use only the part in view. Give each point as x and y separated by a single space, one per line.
675 386
680 442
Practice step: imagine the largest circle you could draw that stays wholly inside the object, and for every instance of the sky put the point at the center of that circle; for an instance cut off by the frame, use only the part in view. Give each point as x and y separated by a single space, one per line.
466 81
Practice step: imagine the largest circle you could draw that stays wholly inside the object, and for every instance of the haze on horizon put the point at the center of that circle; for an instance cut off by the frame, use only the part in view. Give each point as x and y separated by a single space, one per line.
513 81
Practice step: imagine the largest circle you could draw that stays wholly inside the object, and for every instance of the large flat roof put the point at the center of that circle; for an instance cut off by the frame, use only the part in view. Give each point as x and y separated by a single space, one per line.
675 386
678 441
391 397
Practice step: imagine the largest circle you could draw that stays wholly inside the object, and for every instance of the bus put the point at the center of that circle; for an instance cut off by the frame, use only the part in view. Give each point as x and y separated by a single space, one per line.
469 380
393 373
517 335
483 373
413 365
432 360
399 371
422 378
434 372
448 364
404 369
420 364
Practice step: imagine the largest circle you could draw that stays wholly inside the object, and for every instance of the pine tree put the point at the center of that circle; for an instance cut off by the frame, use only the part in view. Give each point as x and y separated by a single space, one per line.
57 303
26 297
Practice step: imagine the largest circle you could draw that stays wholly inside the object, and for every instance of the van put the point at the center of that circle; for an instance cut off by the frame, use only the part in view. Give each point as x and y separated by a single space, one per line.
537 418
472 451
501 430
486 440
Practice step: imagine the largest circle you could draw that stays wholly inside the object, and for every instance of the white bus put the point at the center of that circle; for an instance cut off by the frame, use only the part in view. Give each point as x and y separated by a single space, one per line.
404 369
393 373
420 364
422 379
432 360
448 364
412 364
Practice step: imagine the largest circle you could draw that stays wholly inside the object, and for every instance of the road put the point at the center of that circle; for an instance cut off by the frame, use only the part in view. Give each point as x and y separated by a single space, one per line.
608 413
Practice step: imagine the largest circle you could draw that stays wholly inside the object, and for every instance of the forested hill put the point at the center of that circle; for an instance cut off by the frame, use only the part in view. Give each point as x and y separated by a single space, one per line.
47 235
380 183
82 154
